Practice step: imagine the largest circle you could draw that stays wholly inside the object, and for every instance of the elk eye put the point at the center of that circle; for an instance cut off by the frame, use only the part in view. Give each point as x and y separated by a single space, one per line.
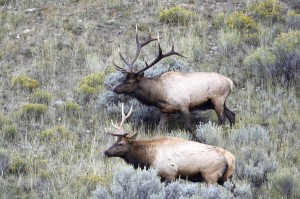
120 144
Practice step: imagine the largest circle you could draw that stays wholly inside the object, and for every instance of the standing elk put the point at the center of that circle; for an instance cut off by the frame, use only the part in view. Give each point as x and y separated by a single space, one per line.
176 91
173 157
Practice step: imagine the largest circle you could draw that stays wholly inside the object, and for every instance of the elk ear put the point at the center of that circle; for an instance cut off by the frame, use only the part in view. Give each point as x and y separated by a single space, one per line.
141 75
132 137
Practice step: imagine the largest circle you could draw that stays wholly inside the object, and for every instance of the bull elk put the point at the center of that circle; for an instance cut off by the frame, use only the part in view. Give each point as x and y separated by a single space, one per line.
176 91
173 157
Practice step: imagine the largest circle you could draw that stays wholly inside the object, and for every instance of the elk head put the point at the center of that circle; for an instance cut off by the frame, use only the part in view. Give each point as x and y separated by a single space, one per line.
133 75
121 147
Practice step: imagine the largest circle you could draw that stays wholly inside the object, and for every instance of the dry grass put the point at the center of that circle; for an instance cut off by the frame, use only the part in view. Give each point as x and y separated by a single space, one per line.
59 153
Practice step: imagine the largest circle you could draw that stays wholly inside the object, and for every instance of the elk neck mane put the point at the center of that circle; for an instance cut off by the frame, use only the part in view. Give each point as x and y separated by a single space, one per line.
149 91
142 152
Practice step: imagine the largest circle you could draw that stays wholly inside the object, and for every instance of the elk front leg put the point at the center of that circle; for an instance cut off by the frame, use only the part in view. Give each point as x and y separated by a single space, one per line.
163 120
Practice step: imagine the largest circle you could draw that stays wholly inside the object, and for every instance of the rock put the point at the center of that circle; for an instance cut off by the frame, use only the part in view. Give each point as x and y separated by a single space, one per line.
59 103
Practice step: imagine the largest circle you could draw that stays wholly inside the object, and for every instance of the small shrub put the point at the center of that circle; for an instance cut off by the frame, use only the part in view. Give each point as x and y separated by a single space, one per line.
214 191
72 108
90 181
243 190
101 193
42 97
259 62
32 110
287 51
176 16
250 136
177 190
23 82
246 25
293 19
270 10
131 183
19 166
278 63
89 86
285 183
10 132
229 42
295 4
220 20
47 134
254 164
56 133
209 134
4 120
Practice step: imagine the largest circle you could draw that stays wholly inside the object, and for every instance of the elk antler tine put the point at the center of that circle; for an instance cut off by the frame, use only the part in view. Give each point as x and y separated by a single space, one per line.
130 111
122 110
106 131
112 123
121 69
123 59
118 67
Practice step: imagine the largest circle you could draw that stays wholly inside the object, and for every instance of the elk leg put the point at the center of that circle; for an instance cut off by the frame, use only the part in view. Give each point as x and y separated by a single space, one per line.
163 120
219 108
187 119
166 180
230 115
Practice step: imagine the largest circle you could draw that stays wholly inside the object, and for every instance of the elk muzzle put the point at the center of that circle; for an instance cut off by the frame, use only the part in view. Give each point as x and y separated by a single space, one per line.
117 90
106 153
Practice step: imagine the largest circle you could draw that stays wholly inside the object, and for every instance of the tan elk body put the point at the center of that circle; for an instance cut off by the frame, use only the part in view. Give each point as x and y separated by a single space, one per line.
174 157
176 91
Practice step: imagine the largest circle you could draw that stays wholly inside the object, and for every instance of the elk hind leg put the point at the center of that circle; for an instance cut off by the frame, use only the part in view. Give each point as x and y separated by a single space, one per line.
219 108
211 178
230 115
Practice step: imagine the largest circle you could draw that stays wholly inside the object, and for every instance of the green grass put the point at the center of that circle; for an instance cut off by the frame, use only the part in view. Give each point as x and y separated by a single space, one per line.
53 150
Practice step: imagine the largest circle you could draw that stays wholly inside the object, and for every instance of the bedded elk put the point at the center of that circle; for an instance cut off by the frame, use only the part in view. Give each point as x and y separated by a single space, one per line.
176 91
173 157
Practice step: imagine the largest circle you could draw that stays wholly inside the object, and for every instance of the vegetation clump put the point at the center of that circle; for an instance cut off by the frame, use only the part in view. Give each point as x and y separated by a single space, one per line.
269 10
293 19
4 120
72 108
33 110
56 133
42 97
176 16
19 166
246 25
89 86
24 82
285 183
10 132
91 181
278 62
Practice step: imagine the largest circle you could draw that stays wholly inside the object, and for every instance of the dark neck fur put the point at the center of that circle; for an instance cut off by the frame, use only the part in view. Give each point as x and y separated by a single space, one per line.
140 154
149 91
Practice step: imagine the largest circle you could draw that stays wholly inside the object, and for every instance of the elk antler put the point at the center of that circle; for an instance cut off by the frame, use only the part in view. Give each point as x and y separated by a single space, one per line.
159 57
139 46
120 127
